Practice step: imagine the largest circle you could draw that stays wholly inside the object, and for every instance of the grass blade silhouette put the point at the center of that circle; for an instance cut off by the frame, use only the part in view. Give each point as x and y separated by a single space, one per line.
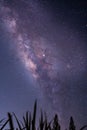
71 124
34 116
19 124
41 121
4 125
46 123
27 121
1 121
10 121
30 121
85 126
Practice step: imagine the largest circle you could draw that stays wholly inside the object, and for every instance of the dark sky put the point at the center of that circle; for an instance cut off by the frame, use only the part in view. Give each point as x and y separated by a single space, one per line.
13 95
43 55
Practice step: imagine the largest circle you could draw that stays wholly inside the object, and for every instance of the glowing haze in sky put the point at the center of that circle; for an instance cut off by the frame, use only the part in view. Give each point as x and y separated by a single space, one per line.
43 55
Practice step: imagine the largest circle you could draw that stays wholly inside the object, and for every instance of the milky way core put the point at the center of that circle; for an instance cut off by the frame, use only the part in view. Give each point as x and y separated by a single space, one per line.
51 53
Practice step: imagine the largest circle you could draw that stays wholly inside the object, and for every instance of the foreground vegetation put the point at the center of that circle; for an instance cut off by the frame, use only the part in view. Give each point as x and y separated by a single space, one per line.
29 122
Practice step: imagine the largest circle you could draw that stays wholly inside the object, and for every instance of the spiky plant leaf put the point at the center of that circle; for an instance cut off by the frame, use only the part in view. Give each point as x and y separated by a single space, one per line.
41 121
34 116
10 121
19 124
1 121
85 126
45 122
4 125
30 121
27 121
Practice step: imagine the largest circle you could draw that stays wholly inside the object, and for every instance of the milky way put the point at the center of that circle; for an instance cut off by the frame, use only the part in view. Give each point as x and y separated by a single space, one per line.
56 63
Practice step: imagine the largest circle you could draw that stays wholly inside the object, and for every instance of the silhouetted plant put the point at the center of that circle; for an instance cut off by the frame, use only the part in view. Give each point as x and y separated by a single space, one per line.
56 125
19 124
3 126
45 123
10 121
71 124
29 122
34 116
41 122
85 126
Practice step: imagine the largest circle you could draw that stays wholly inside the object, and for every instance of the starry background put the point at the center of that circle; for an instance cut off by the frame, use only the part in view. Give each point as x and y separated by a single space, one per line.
53 37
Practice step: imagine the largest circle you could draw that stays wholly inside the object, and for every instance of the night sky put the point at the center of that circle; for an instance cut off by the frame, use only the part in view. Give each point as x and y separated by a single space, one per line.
43 56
